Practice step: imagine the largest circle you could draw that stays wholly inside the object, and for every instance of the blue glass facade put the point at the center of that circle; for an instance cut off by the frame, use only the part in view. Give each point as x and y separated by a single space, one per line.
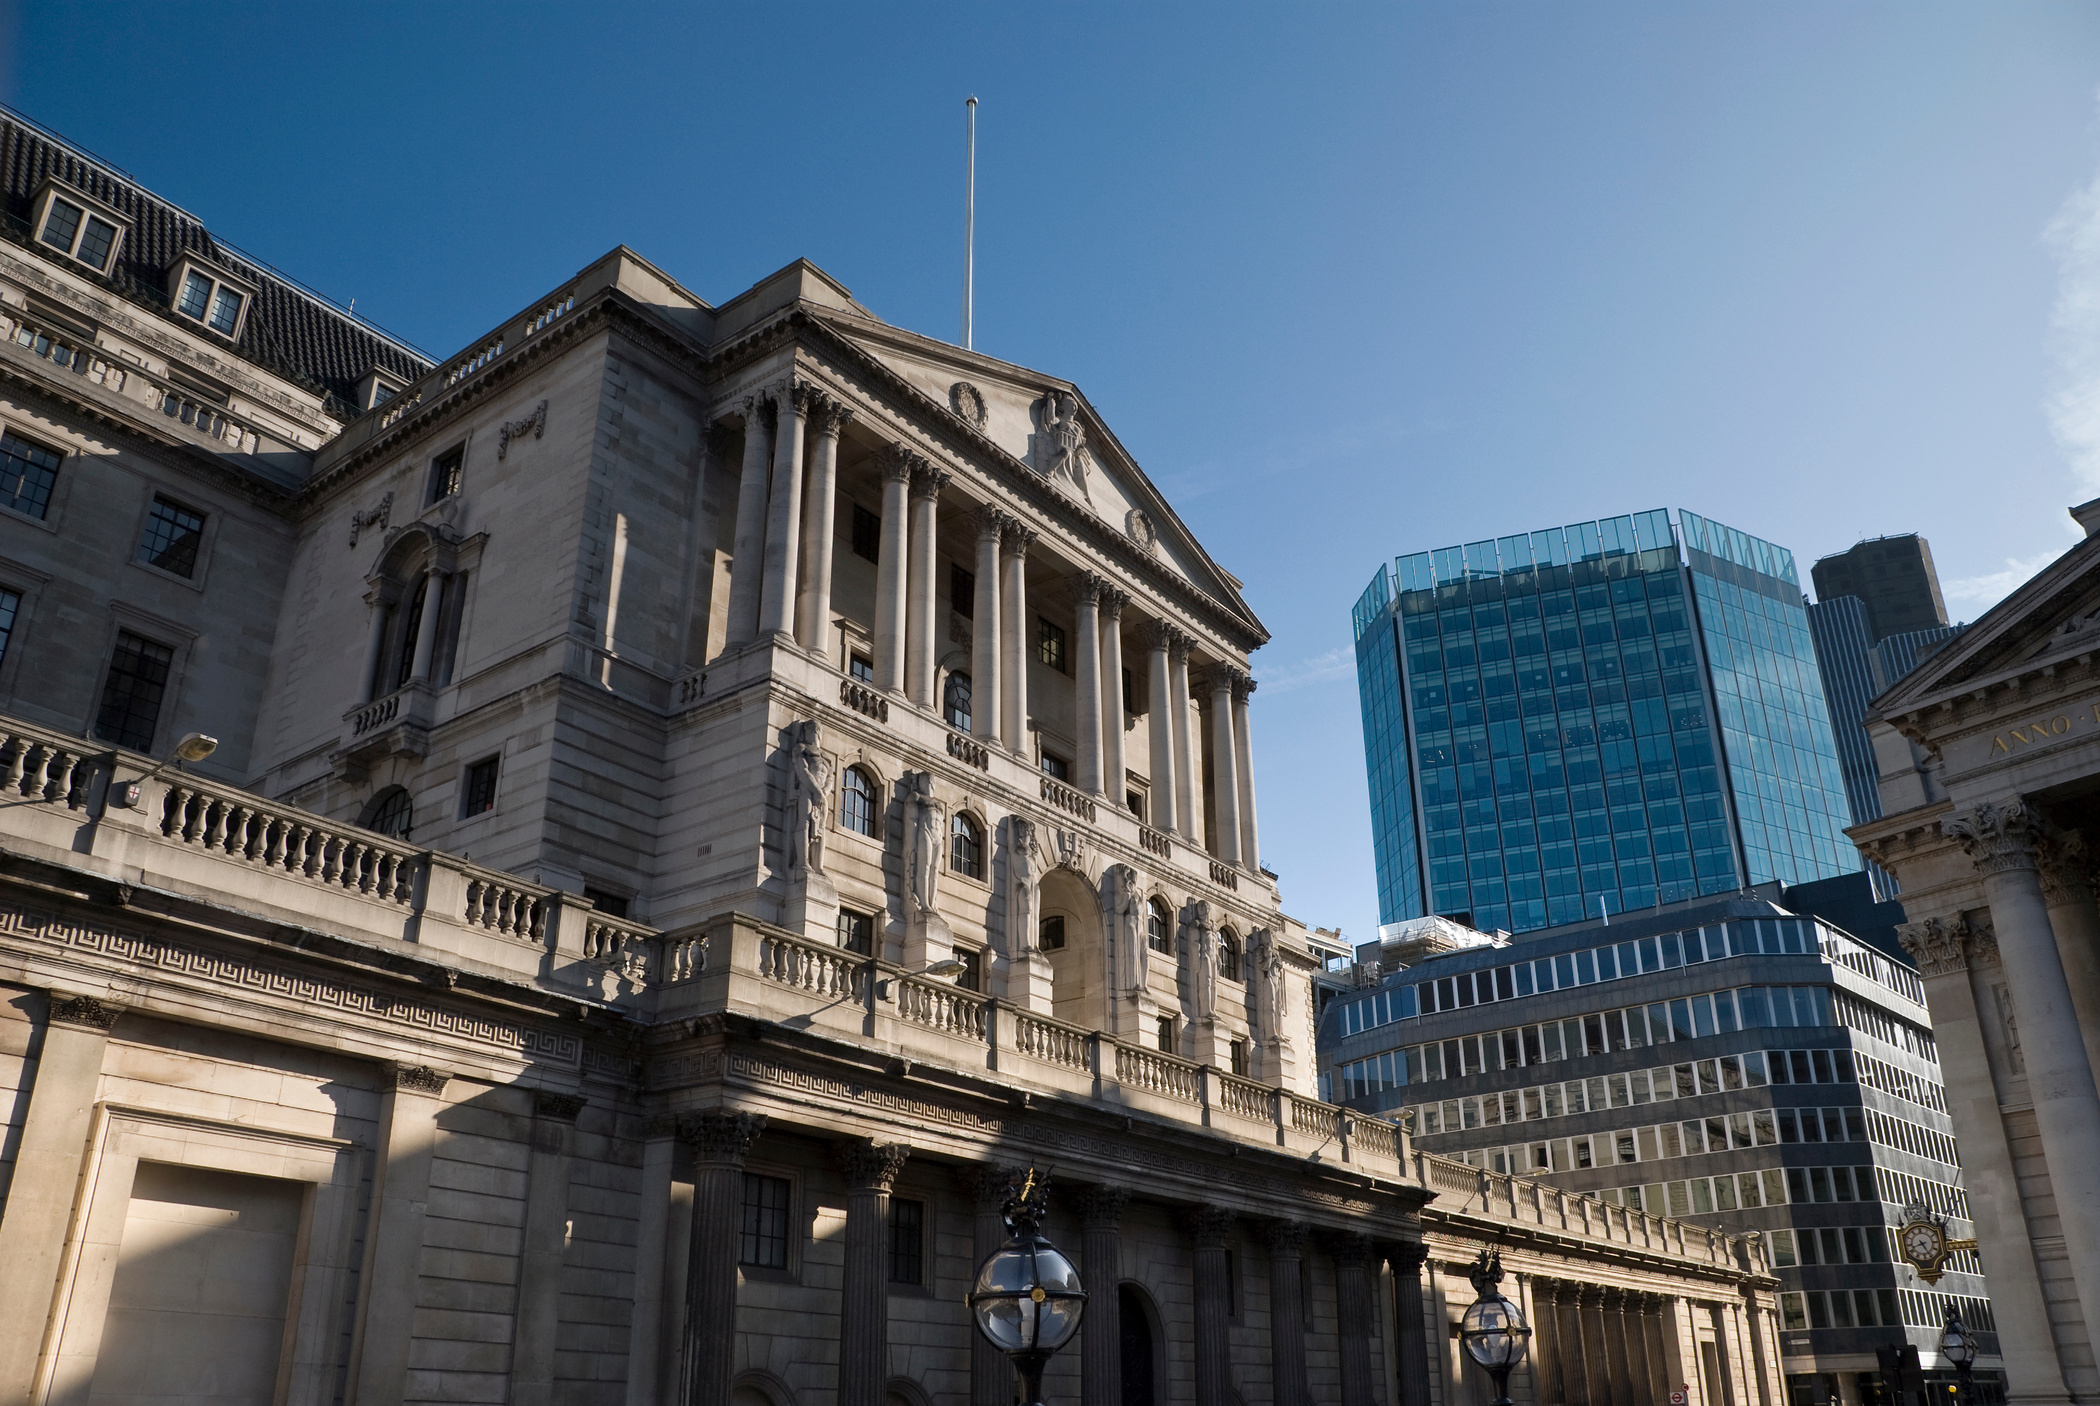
1547 737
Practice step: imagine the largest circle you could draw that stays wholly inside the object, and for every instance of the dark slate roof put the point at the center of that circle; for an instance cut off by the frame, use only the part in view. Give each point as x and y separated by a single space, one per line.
291 330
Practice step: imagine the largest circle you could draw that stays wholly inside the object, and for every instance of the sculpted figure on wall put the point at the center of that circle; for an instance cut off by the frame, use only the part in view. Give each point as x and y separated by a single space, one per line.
1123 908
1271 995
925 832
808 797
1200 940
1060 445
1024 871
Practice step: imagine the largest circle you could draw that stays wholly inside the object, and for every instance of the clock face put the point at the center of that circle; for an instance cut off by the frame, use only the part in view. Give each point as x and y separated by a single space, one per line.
1921 1244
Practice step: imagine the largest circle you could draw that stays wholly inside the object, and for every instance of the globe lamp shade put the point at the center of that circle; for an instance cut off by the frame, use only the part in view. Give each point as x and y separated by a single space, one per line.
1027 1297
1955 1345
1495 1333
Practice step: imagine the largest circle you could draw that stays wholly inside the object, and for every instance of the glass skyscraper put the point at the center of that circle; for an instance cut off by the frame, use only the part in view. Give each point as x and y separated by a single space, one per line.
1594 718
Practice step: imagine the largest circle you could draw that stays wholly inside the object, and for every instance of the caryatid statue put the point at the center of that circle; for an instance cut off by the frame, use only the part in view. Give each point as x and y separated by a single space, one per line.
1123 905
1271 995
925 836
1024 870
808 796
1200 940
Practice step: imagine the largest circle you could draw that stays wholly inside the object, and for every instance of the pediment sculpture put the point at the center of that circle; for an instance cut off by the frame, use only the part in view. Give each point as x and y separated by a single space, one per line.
1058 447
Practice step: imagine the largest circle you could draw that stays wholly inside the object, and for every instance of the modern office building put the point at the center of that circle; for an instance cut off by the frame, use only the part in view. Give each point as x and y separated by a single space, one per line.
1594 719
1893 577
1725 1060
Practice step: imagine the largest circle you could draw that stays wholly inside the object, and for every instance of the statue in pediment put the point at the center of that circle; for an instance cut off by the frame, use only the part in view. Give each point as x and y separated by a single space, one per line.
1058 447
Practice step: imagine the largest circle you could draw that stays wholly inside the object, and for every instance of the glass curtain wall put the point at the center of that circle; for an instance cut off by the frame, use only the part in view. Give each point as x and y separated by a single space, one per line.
1387 746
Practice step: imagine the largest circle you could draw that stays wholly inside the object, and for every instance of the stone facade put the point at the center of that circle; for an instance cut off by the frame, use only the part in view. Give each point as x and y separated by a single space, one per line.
1988 755
703 794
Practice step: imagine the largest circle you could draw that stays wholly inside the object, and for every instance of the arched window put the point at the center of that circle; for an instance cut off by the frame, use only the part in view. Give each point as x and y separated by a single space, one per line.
411 626
965 846
857 804
955 702
1229 956
1159 927
390 812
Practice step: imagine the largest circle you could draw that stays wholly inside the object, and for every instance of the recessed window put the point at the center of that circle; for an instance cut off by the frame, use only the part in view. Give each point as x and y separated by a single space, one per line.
10 606
1050 643
1159 928
132 692
1238 1050
955 702
1051 934
972 976
1136 801
172 535
206 297
391 812
445 472
857 802
763 1241
27 474
612 905
867 534
1056 767
1166 1034
79 233
857 932
1228 956
907 1241
861 667
479 789
1131 707
962 591
966 846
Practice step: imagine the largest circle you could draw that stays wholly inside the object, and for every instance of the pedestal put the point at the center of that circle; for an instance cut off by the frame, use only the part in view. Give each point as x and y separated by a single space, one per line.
927 940
811 908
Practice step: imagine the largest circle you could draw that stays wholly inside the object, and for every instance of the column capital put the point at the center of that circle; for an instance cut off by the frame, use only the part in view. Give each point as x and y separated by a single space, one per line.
1208 1226
2066 867
418 1078
1998 837
1348 1246
721 1136
1157 634
991 521
1983 941
896 462
1087 587
986 1184
828 414
546 1103
1179 643
1243 688
798 395
928 481
1407 1256
758 410
870 1165
1101 1207
1937 945
1112 602
1016 539
1286 1237
1223 678
84 1012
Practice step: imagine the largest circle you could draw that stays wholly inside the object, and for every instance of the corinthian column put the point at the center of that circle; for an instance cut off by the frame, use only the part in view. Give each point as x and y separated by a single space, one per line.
1101 1265
2067 888
747 565
1224 767
1186 785
1208 1227
2000 839
776 608
1243 768
1087 693
1287 1311
864 1296
1352 1297
1013 688
984 629
813 600
1115 775
890 571
919 652
720 1142
1166 787
1410 1341
991 1375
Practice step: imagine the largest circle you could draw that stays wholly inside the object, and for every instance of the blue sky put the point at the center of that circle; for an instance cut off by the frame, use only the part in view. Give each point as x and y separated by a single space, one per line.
1348 280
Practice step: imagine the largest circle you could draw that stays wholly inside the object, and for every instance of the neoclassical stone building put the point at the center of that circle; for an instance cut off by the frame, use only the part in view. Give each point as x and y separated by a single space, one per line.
702 794
1989 758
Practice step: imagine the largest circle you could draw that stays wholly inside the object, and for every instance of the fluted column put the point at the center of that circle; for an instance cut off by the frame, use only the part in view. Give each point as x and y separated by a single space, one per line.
984 629
1287 1311
1020 638
864 1296
1659 1384
891 571
1166 812
1353 1299
776 607
1101 1270
1411 1346
1087 690
813 602
920 652
1208 1229
2067 889
1243 767
1618 1366
1634 1309
1589 1334
720 1142
1115 773
2000 839
747 565
426 623
991 1375
1545 1343
1224 769
1187 783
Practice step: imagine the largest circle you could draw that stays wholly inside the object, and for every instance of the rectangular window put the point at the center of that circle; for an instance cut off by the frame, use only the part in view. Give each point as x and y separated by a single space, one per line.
1056 767
479 790
1166 1034
10 606
445 472
1238 1050
132 694
1792 1313
1051 935
962 591
27 473
764 1238
196 296
612 905
1050 643
172 536
62 225
861 667
71 230
857 932
225 312
907 1241
867 534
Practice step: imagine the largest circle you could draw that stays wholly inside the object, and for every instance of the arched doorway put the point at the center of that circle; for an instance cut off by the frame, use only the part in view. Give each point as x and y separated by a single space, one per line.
1071 938
1139 1345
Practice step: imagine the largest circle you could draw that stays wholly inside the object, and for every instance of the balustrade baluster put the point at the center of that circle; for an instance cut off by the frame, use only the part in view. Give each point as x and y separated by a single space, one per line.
17 754
33 774
275 834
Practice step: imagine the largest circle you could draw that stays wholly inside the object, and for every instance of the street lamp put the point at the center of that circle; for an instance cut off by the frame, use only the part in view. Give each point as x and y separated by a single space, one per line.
1027 1298
1494 1330
1956 1348
194 747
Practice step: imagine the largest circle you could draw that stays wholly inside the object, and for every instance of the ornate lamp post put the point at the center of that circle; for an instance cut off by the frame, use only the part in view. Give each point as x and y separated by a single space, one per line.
1956 1348
1026 1298
1494 1331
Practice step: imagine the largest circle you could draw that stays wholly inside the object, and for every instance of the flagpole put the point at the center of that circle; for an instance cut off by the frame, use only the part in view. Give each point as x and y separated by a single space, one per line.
969 297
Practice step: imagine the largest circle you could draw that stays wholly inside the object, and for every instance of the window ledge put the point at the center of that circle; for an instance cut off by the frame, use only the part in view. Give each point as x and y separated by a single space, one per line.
194 581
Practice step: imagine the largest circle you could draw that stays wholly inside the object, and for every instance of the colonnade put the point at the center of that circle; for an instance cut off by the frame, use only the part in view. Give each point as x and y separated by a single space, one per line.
785 521
1594 1345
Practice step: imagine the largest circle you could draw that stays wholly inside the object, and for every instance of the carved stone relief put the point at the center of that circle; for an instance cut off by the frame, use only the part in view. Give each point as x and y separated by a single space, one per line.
967 402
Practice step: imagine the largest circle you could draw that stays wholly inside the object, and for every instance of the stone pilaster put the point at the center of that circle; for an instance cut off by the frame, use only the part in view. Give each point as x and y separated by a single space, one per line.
1353 1300
1224 770
992 1380
1115 777
1209 1228
1617 1362
828 415
1187 788
776 606
1086 648
864 1296
1243 764
1589 1318
1410 1340
922 592
2066 872
748 546
719 1141
1287 1311
1101 1270
985 652
893 565
1019 630
657 1249
413 1095
539 1264
1166 784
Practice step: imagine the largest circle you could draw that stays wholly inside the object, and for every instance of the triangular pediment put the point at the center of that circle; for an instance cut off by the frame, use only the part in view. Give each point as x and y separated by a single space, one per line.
2056 615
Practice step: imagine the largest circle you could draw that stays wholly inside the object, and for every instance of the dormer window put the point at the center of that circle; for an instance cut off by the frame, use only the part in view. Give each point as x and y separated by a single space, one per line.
205 295
377 388
81 228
